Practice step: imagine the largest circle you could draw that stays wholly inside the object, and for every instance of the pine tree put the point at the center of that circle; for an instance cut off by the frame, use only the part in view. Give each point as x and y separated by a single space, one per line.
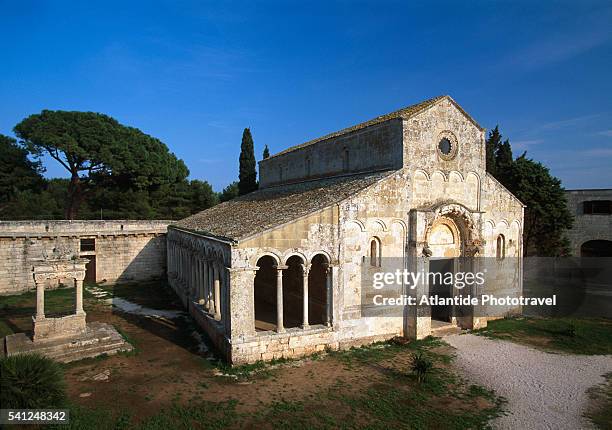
266 152
247 175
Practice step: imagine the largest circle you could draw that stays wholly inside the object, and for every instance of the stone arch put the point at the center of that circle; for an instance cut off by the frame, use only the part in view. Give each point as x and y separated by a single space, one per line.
293 290
502 225
265 293
324 254
421 184
438 175
472 189
294 254
455 174
470 236
360 224
401 223
444 238
273 254
319 289
421 174
378 223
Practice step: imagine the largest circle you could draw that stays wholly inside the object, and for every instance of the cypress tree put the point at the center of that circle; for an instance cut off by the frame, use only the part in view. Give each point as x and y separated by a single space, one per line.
492 144
247 175
266 152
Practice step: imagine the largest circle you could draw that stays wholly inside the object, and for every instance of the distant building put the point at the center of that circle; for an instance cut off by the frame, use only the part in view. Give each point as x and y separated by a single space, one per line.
591 235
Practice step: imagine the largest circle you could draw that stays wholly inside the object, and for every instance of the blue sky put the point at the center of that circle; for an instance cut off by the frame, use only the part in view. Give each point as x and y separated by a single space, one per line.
194 74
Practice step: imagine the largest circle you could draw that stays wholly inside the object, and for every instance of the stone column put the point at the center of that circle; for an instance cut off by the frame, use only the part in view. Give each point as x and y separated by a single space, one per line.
205 280
40 299
280 328
78 284
217 293
305 270
329 294
201 282
209 286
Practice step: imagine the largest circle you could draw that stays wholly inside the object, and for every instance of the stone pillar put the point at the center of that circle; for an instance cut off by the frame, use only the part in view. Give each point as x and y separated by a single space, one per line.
280 328
305 270
40 300
329 272
200 282
417 323
209 294
78 284
205 288
217 293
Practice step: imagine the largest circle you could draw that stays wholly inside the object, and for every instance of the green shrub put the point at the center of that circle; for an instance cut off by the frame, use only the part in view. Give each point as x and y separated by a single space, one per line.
421 365
570 330
31 381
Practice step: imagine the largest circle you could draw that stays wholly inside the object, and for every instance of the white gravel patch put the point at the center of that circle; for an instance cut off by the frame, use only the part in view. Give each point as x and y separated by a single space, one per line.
544 390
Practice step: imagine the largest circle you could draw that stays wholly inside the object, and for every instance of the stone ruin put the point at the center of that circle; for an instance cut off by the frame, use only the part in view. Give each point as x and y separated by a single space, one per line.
70 337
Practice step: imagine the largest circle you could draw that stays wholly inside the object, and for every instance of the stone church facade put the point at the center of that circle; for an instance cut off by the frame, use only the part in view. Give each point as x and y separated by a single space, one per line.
280 272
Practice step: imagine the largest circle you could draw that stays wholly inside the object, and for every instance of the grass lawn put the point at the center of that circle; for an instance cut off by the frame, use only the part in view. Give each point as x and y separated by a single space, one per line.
600 409
570 335
16 311
380 393
172 382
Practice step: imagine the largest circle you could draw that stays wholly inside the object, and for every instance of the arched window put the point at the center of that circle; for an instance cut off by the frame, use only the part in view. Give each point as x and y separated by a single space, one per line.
500 253
375 252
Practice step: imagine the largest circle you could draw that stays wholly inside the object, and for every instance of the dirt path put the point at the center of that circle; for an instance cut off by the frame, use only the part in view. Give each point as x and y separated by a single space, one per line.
544 390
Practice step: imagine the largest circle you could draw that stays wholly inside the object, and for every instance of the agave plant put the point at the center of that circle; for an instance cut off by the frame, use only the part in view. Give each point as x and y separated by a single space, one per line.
31 381
421 365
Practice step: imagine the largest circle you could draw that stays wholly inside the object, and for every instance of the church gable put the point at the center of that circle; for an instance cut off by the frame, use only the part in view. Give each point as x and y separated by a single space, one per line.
445 138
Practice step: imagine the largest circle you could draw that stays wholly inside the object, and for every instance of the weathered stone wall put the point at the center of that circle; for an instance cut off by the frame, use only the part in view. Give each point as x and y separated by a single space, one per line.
422 133
124 250
586 226
373 148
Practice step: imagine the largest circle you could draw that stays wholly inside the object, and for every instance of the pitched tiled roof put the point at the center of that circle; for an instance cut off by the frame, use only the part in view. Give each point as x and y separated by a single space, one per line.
401 113
262 210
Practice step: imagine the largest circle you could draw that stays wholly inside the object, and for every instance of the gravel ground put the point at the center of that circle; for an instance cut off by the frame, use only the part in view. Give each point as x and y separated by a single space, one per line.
544 390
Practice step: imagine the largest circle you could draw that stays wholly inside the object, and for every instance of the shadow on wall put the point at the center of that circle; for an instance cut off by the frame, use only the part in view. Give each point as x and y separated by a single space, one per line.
117 260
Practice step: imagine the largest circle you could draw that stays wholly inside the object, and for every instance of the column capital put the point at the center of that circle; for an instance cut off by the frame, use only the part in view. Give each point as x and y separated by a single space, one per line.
280 267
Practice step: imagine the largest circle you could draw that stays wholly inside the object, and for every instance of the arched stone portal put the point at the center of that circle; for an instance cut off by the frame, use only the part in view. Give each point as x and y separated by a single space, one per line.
444 241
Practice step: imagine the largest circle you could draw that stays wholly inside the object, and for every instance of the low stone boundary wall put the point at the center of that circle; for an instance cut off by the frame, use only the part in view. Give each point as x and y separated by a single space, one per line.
118 250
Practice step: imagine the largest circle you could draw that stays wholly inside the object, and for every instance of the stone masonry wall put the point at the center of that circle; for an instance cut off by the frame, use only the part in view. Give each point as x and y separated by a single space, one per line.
124 250
373 148
587 227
